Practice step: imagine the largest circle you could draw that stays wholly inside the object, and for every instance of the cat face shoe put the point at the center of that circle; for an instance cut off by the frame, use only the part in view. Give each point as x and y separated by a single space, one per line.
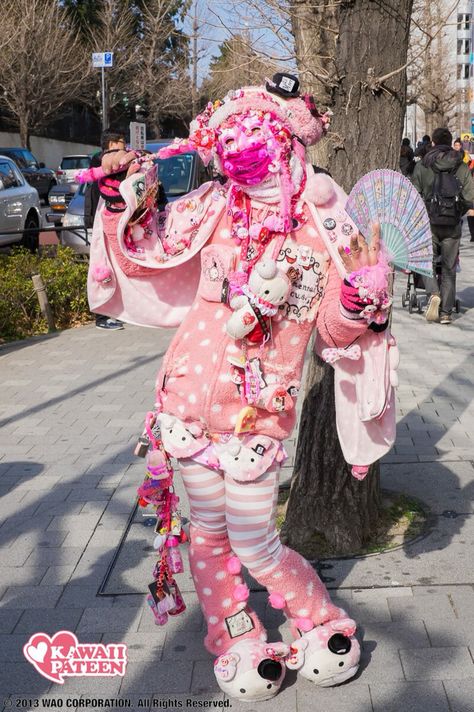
251 670
328 654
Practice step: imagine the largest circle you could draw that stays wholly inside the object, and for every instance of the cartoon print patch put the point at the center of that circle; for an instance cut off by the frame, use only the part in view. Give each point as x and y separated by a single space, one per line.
308 269
216 263
238 624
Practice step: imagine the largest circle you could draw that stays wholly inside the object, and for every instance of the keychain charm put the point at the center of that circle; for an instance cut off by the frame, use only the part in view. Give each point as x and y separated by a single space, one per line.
157 490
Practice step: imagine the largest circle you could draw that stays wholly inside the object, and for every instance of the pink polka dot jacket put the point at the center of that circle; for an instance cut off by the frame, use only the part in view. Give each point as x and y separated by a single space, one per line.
175 276
199 379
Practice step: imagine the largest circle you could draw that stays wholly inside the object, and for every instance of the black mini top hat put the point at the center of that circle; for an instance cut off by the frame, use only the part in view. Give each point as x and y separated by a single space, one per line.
285 85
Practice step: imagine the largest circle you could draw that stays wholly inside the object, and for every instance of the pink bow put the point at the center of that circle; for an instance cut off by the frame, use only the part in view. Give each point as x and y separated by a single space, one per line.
333 355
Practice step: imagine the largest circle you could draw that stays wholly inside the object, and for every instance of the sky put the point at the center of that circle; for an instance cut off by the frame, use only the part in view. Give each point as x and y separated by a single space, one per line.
218 19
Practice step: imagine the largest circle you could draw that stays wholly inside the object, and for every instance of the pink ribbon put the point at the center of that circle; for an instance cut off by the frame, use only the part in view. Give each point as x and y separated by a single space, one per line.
333 355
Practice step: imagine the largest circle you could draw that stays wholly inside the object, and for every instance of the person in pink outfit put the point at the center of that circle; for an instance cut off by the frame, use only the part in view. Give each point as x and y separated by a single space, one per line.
249 267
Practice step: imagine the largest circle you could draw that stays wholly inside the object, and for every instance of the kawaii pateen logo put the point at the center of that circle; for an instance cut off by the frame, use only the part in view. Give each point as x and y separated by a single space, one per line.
63 656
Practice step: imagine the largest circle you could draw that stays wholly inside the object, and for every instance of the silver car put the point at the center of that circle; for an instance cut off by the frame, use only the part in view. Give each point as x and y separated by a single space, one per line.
77 236
70 165
19 208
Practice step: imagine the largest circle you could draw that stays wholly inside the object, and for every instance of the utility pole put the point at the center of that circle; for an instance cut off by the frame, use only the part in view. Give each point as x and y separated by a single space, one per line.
103 60
194 108
105 119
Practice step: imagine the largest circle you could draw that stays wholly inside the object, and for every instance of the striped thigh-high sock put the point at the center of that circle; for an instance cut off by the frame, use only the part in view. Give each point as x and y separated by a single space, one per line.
214 567
293 584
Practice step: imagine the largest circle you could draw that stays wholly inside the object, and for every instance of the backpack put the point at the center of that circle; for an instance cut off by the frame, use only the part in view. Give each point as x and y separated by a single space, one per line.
446 205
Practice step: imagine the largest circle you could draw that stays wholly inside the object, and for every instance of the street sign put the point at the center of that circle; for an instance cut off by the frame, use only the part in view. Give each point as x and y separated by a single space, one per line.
137 135
102 59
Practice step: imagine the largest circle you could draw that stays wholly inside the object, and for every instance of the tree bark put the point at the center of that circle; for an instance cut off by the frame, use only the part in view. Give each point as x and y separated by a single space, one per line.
368 121
362 40
24 131
325 498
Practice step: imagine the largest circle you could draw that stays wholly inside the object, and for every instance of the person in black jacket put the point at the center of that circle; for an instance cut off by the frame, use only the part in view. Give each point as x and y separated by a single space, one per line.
423 147
407 158
443 159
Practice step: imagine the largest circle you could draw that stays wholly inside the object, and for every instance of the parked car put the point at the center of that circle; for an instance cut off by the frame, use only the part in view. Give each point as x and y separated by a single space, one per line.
59 198
36 173
19 207
179 175
70 165
78 237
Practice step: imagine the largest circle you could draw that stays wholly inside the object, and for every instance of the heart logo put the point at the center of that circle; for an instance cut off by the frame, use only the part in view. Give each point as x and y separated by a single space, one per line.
41 649
58 657
37 653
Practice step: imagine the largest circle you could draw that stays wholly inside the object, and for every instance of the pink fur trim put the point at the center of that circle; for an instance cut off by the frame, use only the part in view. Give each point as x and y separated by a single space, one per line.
294 113
304 624
241 592
372 278
255 98
89 175
276 600
309 128
181 145
233 565
319 189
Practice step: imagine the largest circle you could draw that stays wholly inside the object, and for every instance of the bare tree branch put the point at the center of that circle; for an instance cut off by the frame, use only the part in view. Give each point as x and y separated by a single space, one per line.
44 68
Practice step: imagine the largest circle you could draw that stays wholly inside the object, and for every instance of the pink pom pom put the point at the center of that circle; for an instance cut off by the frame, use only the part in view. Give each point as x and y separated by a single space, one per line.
255 230
241 592
309 128
233 565
274 223
102 273
359 471
319 189
304 624
276 600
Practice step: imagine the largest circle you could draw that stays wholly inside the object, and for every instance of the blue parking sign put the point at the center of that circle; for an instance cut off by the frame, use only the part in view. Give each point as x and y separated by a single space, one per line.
102 59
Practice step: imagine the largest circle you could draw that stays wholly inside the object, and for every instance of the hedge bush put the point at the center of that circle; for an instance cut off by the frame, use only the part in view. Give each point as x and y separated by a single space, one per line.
65 280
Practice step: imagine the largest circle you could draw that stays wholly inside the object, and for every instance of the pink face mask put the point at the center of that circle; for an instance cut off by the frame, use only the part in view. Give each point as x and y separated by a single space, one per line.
247 149
249 166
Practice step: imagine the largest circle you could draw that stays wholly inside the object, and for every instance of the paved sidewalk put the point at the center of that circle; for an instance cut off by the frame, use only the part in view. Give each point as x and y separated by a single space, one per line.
71 408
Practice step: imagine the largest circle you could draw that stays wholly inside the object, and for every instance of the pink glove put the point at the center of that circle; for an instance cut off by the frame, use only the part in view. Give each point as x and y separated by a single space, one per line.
364 294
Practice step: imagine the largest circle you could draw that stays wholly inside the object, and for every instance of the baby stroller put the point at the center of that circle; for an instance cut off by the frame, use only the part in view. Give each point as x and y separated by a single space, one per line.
417 301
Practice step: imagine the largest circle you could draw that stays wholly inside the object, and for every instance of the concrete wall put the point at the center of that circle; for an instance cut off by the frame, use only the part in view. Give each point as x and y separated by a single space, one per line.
48 150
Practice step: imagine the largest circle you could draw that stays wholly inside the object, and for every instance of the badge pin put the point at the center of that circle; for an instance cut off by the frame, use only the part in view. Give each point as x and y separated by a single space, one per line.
347 229
329 223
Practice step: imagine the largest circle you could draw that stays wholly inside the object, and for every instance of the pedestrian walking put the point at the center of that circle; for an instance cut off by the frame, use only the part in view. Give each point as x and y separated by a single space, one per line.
458 146
446 185
423 146
407 158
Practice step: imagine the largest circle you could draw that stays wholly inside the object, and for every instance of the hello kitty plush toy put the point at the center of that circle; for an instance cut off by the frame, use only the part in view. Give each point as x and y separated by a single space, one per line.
266 289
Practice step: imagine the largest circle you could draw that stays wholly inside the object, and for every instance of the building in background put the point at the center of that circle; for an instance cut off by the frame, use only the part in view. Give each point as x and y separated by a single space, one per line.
441 81
464 56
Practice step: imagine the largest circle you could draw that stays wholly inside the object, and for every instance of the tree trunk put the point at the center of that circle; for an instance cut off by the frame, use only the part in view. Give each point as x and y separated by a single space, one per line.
153 124
24 131
370 39
325 498
314 28
373 41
